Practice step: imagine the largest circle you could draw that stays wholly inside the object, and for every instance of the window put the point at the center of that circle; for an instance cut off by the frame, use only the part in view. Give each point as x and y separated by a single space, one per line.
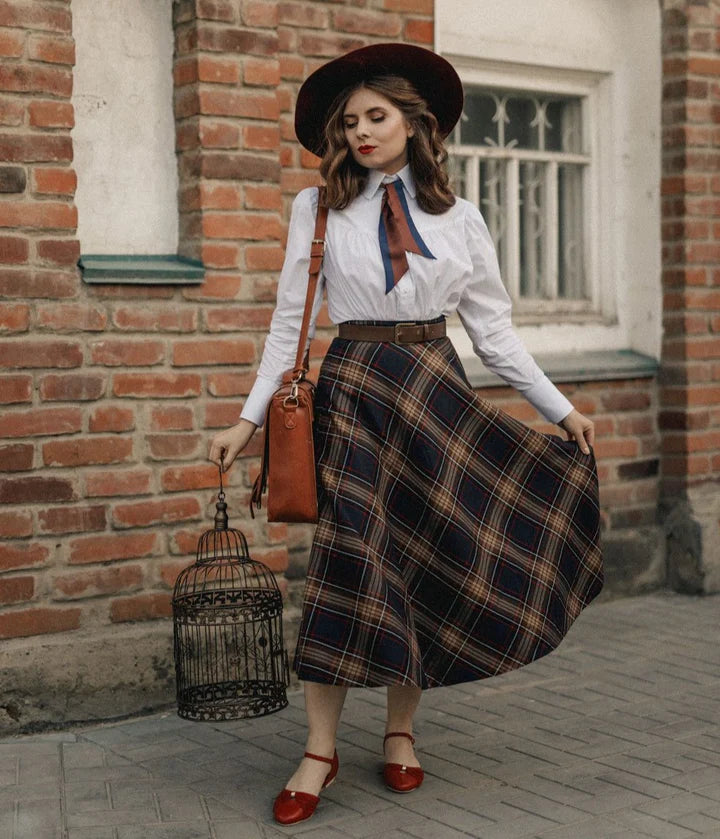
522 157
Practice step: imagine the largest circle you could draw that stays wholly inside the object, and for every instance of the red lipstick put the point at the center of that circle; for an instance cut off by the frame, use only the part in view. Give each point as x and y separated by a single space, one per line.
366 149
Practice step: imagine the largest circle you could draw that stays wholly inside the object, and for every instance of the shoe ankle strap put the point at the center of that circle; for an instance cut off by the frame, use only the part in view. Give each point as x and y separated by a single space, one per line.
320 757
399 734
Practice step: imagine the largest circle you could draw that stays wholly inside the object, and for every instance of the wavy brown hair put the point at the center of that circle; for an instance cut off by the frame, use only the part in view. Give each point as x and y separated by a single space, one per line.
346 178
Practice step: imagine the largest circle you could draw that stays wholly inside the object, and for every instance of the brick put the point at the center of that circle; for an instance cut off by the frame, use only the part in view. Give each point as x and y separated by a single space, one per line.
239 166
90 583
218 135
264 258
626 401
21 78
218 70
31 148
158 385
87 451
22 556
41 422
263 197
217 10
149 513
242 226
230 103
36 283
171 446
169 571
15 389
327 46
221 197
72 519
259 13
112 418
303 15
51 115
216 287
72 387
15 524
13 249
111 547
186 541
231 319
197 353
420 31
12 178
261 137
276 559
230 384
16 590
36 16
50 180
141 607
184 478
149 319
35 489
367 23
104 484
172 418
16 457
40 354
40 621
11 113
14 317
53 50
113 353
423 7
59 251
12 44
261 72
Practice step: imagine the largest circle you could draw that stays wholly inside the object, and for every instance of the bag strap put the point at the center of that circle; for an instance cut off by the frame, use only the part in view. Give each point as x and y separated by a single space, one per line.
317 251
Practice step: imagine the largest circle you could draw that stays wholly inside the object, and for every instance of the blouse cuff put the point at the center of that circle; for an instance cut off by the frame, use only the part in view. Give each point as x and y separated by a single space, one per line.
548 400
258 400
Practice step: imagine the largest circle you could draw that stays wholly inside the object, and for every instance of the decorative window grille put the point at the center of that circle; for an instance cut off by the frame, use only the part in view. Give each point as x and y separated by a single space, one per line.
521 158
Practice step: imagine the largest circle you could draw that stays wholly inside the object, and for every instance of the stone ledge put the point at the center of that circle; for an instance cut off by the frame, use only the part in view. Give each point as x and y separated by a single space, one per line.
141 269
597 365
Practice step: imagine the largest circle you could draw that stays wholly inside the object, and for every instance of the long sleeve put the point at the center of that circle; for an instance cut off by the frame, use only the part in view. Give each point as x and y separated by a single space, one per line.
281 343
485 313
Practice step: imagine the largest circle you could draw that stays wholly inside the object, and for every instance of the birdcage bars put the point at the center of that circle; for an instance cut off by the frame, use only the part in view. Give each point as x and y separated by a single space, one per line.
230 658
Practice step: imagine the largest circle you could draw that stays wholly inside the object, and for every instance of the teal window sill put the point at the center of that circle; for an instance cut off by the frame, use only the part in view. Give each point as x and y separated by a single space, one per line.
598 365
151 269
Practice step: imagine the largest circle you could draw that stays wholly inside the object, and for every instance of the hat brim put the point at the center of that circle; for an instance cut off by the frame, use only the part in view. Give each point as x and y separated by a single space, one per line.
434 77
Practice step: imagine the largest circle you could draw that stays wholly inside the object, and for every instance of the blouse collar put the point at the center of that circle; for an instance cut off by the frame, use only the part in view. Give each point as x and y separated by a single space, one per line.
376 177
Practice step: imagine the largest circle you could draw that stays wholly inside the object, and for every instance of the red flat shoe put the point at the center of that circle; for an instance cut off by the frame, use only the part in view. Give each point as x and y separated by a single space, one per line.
291 806
398 777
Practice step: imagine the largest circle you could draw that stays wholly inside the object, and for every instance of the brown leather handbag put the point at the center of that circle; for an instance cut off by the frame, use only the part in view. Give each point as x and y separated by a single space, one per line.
287 469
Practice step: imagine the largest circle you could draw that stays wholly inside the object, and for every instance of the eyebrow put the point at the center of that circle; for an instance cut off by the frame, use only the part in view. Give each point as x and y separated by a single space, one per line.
376 108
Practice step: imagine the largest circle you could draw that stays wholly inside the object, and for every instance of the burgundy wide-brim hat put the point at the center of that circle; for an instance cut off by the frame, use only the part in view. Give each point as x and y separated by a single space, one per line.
434 77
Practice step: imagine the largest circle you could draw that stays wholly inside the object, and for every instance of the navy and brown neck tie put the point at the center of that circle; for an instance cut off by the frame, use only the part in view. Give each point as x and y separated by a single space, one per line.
398 234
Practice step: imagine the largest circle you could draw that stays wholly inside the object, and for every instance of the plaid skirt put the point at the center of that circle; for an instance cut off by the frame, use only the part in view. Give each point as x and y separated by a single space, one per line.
453 541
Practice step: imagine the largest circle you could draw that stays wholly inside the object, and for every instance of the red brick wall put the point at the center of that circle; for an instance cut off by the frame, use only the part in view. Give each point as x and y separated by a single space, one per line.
690 393
690 378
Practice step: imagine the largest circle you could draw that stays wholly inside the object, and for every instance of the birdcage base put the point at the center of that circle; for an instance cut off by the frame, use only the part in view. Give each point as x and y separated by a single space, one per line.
231 700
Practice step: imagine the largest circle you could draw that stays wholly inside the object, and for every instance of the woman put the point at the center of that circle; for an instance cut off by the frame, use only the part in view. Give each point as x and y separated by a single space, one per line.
453 541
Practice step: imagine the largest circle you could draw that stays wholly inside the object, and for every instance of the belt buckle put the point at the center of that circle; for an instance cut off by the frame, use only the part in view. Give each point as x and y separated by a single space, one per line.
401 336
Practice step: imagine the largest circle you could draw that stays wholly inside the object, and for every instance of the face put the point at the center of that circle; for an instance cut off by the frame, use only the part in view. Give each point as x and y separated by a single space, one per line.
376 131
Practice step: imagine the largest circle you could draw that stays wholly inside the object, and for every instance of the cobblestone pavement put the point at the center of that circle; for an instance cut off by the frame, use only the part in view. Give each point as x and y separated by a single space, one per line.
613 734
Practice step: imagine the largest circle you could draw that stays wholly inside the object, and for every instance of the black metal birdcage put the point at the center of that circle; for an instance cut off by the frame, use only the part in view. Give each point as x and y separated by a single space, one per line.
230 657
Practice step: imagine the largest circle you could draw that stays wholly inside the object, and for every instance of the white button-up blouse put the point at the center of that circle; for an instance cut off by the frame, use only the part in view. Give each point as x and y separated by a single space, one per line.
463 277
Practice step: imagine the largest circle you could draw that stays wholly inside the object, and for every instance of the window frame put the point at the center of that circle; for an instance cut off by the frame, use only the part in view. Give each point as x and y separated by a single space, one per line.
593 90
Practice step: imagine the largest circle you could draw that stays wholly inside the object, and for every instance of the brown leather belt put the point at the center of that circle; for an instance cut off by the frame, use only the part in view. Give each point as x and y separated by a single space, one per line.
407 332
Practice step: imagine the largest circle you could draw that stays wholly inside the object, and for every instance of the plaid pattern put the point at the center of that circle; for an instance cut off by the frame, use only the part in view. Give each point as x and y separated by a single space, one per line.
454 542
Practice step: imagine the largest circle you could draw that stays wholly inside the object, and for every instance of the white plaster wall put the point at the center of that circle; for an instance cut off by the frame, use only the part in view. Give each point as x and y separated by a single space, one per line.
124 134
620 39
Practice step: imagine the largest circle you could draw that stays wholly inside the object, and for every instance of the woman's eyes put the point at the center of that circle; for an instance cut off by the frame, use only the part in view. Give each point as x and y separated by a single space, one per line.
348 125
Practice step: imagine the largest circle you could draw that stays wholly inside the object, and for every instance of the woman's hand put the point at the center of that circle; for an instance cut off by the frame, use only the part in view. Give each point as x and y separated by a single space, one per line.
226 445
579 428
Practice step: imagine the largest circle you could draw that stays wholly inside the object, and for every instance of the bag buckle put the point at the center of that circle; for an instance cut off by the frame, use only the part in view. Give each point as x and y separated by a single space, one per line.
408 332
